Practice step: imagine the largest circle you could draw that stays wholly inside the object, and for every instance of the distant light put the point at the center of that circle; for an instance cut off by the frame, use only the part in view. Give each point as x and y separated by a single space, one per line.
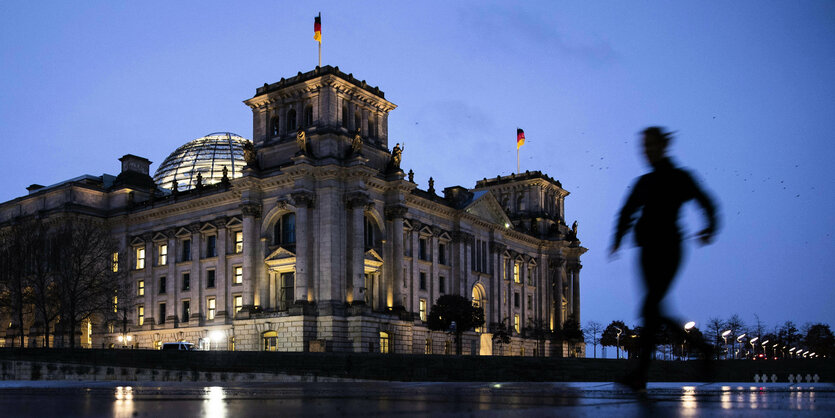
121 338
741 336
506 225
754 340
216 336
688 326
726 333
129 338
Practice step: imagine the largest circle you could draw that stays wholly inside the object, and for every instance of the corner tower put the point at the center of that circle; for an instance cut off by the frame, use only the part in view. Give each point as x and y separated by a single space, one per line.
331 108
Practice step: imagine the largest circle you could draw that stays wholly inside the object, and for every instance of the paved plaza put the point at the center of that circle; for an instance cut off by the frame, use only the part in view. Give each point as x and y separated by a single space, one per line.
369 399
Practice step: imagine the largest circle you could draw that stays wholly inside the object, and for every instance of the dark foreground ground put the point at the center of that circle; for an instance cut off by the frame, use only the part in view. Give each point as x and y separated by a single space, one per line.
399 399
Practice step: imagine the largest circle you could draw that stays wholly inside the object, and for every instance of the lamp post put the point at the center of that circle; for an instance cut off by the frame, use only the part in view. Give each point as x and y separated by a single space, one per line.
791 352
753 347
765 346
620 331
687 327
725 339
739 340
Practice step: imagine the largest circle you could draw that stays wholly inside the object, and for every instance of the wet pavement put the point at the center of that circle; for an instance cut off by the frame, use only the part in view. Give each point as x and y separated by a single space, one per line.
400 399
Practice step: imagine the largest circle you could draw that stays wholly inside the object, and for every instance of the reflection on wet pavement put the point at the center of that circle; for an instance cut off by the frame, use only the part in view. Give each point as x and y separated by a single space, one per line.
93 399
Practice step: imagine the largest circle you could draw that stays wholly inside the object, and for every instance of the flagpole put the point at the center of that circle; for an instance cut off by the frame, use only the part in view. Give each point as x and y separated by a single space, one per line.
320 54
517 159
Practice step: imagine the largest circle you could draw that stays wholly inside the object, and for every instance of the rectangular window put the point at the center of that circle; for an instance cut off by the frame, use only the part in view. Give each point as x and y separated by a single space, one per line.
516 299
530 302
161 313
114 262
238 276
140 258
163 254
210 279
422 281
239 303
423 252
186 250
442 254
286 295
115 304
186 311
529 277
516 278
140 313
163 281
441 284
211 246
140 288
186 282
423 310
516 324
210 308
239 242
384 342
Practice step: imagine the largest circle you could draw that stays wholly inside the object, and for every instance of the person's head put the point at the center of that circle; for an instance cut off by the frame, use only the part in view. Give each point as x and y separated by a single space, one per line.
656 140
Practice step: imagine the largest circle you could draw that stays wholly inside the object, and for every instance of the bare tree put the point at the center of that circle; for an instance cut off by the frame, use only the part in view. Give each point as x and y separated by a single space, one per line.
715 327
81 258
13 287
736 325
592 332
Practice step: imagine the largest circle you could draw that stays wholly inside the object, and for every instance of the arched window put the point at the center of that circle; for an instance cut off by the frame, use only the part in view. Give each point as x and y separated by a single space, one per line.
291 120
284 231
274 127
345 115
308 116
372 127
357 120
479 301
368 233
270 340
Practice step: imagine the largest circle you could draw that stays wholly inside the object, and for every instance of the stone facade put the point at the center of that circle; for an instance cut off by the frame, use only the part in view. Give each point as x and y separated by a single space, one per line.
325 243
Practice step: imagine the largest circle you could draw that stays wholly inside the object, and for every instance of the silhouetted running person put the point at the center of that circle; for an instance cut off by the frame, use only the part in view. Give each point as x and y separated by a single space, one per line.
659 196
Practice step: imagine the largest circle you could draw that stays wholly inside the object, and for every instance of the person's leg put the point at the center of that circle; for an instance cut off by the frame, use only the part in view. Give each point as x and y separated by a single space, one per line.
659 265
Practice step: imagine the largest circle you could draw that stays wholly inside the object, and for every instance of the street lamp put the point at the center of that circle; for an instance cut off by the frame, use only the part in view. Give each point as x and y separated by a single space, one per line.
791 352
620 331
765 345
687 327
725 339
739 340
753 347
125 339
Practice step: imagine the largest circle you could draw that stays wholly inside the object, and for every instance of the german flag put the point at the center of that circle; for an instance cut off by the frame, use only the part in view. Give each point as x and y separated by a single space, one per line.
317 28
520 138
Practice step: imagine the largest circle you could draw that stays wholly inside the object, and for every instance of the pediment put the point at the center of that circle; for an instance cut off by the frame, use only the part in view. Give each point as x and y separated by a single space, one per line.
137 241
372 261
372 255
233 222
208 228
407 224
488 208
183 233
445 237
426 230
280 253
159 236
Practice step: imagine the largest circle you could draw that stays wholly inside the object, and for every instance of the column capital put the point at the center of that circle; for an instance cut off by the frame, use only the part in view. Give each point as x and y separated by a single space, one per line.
251 209
497 248
395 211
463 237
557 263
303 198
357 199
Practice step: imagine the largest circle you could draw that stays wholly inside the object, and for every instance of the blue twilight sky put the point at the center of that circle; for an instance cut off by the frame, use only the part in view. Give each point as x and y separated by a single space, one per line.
748 85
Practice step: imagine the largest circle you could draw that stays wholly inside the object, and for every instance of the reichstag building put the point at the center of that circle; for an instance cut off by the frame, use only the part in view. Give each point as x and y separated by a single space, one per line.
310 237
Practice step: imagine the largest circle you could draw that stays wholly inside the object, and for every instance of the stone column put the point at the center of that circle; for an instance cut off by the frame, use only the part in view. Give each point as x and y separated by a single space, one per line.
575 287
221 274
196 283
250 229
304 287
356 203
171 287
150 261
559 284
394 283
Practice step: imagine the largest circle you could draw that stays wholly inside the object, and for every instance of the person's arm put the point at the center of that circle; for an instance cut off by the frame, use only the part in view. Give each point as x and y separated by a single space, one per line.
709 208
626 217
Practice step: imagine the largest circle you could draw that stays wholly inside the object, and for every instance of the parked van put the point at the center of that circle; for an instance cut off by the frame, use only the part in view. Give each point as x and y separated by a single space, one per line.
178 346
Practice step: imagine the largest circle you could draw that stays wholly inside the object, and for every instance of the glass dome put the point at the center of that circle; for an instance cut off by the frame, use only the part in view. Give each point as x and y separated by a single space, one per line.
207 156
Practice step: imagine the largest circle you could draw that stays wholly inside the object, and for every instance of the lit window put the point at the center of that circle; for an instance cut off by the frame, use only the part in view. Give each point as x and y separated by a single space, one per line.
140 288
238 275
163 254
140 258
423 310
270 341
239 242
516 323
428 348
210 308
140 311
239 303
384 342
115 304
114 259
516 278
